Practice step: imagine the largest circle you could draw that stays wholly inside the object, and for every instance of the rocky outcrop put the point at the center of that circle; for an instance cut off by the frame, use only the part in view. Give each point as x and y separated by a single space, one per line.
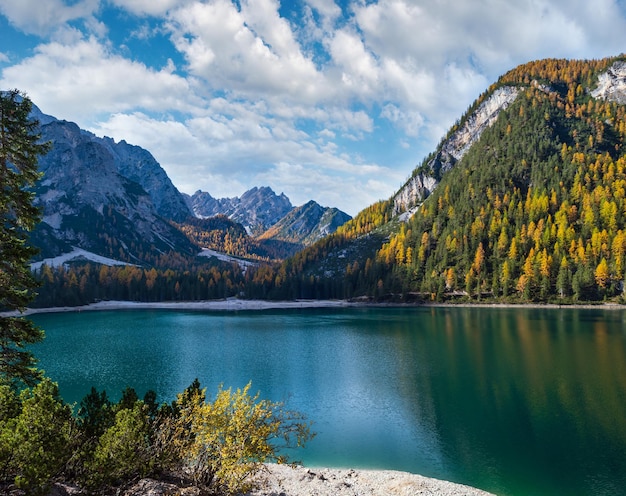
138 165
612 84
415 191
452 150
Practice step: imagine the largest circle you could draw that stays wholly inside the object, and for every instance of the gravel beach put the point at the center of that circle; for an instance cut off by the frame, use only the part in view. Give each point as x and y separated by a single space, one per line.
282 480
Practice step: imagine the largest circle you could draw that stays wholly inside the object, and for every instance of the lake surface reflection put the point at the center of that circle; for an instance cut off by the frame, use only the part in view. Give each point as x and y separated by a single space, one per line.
514 401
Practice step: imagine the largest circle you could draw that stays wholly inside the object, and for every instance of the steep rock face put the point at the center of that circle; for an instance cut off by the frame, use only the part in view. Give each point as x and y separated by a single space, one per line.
131 162
138 164
307 224
257 209
452 150
415 191
612 84
87 203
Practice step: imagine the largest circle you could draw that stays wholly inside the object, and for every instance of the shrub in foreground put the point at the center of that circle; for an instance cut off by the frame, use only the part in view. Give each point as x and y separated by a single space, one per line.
215 445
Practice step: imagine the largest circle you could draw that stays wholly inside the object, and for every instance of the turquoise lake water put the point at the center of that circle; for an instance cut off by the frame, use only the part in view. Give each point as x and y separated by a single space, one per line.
514 401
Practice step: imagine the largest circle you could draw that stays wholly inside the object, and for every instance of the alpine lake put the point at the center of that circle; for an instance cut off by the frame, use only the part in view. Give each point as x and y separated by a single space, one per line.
516 401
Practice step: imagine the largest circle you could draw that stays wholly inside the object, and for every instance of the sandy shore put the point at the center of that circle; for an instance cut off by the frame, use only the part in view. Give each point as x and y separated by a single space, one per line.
230 304
301 481
235 304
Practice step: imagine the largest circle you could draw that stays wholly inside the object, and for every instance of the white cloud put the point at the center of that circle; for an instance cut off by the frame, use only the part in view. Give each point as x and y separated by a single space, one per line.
302 183
148 7
328 9
42 17
359 69
251 52
254 95
410 122
83 79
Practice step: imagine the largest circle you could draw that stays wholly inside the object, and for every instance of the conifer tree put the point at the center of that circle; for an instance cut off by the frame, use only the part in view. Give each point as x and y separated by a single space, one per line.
20 149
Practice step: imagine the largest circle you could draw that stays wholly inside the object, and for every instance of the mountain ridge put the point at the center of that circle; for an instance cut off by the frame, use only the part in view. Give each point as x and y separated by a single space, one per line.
268 216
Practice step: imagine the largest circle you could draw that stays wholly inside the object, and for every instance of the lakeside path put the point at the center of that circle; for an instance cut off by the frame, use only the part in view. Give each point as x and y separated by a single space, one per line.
230 304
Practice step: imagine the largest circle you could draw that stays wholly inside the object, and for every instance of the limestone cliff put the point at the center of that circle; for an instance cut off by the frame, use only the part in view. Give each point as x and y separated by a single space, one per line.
425 179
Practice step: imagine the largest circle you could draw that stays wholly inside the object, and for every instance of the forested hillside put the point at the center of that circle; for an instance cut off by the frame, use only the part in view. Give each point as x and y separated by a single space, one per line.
534 211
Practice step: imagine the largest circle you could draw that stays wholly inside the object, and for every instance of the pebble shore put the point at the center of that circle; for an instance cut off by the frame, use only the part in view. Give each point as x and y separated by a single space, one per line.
282 480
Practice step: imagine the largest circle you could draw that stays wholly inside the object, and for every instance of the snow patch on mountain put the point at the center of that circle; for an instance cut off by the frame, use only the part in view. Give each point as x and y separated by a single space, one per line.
223 257
77 254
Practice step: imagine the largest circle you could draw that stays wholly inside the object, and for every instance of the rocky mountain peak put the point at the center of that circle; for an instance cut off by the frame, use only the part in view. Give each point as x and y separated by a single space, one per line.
257 209
306 224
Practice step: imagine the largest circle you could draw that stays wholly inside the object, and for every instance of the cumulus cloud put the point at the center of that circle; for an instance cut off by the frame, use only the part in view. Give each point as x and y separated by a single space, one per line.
40 18
84 78
328 9
249 52
148 7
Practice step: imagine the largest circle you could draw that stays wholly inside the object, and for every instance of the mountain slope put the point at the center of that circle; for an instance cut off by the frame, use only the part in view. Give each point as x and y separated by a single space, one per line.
87 203
306 224
529 206
280 229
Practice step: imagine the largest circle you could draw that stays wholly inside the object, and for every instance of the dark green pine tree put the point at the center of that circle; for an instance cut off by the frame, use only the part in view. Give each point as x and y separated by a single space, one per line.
20 149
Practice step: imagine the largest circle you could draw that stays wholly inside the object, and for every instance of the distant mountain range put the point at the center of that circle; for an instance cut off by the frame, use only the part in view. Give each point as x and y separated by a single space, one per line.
256 210
114 199
268 216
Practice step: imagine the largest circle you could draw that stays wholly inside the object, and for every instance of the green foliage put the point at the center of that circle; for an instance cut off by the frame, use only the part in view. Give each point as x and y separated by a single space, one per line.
95 414
216 445
81 284
19 153
35 438
123 452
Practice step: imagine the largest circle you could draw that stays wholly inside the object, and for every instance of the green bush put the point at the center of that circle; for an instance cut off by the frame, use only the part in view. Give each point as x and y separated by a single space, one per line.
34 444
123 452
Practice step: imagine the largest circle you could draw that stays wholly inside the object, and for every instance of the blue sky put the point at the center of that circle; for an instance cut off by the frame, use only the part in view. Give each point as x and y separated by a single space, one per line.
324 100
